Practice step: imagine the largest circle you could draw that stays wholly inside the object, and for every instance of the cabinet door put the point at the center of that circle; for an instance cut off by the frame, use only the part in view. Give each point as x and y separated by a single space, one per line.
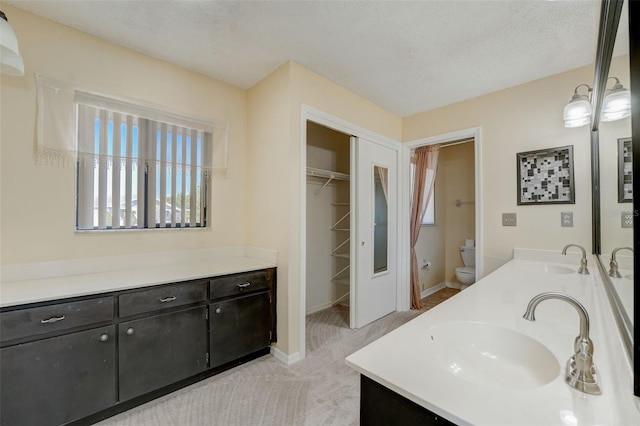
239 327
57 380
160 350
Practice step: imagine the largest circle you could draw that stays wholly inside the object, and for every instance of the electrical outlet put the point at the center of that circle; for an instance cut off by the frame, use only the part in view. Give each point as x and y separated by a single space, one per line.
509 219
566 219
627 219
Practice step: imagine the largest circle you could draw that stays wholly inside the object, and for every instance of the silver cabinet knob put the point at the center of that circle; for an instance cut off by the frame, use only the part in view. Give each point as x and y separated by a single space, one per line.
104 337
218 310
130 331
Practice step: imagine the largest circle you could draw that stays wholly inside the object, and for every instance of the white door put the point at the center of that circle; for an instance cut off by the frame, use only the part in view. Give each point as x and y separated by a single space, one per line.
374 289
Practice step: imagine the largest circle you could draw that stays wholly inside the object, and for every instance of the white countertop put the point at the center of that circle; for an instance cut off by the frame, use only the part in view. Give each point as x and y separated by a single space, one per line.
37 290
403 362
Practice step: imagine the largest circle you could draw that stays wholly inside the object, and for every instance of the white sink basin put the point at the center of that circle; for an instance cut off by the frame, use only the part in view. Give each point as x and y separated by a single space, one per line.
491 355
557 269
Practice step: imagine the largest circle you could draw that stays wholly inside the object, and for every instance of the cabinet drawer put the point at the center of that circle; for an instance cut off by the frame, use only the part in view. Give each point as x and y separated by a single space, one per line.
232 285
61 316
162 297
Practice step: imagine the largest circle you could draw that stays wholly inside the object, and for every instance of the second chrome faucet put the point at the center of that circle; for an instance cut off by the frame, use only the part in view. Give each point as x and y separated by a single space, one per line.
583 269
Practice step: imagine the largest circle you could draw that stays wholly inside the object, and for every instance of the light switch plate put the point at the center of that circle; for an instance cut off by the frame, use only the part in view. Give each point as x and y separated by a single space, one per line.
566 219
509 219
627 219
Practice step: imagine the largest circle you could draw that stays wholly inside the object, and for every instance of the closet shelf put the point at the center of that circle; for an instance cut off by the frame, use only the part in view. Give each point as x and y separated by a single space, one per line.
327 174
341 229
343 281
342 255
340 204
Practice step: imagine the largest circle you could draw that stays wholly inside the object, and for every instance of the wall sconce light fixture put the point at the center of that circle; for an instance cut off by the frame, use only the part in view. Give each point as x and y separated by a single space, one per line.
617 102
577 112
616 105
11 62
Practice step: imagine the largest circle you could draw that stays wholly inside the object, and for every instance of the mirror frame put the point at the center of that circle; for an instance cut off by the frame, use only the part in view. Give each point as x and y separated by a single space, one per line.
610 14
634 63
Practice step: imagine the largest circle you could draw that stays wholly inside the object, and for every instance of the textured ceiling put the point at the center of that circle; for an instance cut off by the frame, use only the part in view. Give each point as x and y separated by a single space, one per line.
407 57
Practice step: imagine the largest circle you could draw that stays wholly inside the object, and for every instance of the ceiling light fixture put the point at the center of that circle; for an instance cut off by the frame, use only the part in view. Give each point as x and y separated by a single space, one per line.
617 102
577 112
11 62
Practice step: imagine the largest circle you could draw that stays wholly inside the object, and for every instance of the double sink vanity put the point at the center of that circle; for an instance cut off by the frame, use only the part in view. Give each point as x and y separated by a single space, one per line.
475 359
84 347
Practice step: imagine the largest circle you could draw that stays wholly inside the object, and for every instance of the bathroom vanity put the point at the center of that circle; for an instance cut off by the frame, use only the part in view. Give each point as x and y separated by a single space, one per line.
91 350
475 360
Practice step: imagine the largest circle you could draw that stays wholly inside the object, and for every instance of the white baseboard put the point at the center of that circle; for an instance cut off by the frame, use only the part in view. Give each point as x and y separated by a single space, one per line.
429 291
284 358
319 308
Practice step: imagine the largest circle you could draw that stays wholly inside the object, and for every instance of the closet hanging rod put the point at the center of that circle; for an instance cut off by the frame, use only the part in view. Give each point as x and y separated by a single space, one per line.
327 174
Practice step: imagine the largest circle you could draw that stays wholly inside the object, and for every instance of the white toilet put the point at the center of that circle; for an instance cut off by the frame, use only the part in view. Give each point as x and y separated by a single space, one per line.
467 274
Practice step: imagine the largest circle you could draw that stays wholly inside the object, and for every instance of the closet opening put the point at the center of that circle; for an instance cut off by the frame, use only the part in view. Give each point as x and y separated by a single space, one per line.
328 232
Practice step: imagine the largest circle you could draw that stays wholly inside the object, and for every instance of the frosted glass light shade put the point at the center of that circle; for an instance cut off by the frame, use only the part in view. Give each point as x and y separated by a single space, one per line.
616 105
577 113
8 40
12 65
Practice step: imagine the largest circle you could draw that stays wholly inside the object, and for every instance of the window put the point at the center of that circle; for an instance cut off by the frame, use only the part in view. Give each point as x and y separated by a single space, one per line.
429 217
146 172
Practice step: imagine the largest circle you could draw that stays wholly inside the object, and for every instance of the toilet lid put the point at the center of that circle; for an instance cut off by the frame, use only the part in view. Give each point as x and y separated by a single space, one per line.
466 270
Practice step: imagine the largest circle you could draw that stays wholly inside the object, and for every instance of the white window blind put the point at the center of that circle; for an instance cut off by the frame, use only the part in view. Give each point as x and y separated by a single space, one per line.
144 169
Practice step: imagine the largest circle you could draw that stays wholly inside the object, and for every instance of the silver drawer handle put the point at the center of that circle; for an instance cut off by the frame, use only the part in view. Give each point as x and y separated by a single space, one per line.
168 299
243 285
130 331
52 320
104 337
218 310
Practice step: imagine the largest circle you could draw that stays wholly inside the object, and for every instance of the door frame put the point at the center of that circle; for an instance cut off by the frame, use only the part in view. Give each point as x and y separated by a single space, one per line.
472 132
309 113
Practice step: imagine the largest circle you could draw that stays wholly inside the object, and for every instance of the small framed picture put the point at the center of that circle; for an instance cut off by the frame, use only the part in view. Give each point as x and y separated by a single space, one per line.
625 170
546 176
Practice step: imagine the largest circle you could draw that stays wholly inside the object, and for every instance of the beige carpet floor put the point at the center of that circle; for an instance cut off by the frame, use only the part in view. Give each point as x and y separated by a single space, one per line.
319 390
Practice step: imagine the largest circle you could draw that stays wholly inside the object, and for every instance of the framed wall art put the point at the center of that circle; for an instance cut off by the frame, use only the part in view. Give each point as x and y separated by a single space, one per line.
625 171
546 176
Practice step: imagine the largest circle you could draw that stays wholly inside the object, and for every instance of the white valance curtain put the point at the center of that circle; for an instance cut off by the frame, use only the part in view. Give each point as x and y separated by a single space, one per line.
56 126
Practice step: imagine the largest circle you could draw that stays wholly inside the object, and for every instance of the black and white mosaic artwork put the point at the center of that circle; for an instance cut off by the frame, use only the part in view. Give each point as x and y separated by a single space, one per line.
546 176
625 171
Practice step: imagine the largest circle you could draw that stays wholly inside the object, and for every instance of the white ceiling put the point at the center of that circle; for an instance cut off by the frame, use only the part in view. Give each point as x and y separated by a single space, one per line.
407 57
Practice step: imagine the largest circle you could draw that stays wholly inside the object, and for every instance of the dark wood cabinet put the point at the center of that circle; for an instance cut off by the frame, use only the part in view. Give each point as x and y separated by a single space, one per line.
58 380
380 406
160 350
239 326
76 360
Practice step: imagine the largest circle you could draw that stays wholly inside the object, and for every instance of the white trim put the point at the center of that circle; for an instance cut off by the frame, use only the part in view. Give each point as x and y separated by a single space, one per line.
309 113
429 291
284 358
472 132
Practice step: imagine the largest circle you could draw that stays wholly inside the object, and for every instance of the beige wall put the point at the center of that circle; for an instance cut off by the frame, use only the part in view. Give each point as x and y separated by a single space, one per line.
522 118
37 212
278 171
458 168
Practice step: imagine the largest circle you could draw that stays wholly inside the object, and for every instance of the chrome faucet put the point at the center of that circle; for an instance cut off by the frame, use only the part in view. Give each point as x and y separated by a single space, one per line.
613 265
583 262
581 371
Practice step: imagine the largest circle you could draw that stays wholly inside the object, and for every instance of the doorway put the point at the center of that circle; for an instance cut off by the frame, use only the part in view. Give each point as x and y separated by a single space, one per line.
359 137
456 223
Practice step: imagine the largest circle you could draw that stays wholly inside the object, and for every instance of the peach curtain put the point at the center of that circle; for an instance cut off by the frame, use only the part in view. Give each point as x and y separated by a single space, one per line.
426 166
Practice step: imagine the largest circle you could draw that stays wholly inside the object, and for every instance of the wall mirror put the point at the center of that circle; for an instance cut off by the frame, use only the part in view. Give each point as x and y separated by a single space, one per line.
380 229
613 170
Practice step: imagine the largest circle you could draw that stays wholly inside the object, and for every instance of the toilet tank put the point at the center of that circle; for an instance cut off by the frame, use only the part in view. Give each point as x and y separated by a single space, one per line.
468 255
